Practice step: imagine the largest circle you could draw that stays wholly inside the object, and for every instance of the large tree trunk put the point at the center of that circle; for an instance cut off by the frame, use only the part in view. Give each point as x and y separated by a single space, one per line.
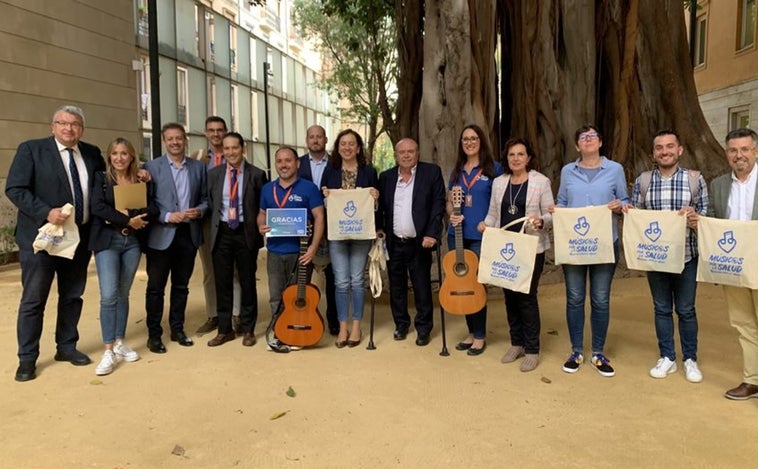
458 77
409 16
621 64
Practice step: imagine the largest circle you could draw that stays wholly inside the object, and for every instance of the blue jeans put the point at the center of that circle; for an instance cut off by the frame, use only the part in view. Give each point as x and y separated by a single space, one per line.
116 267
476 322
601 276
675 291
349 264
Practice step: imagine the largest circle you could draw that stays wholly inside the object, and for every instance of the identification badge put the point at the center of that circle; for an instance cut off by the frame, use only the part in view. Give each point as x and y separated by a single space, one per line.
469 200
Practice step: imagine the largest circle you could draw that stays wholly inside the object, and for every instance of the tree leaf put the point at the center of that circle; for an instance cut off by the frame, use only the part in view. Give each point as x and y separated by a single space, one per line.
278 415
291 392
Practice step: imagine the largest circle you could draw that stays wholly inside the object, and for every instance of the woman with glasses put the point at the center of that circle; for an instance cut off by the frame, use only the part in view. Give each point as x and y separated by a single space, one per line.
591 180
348 169
474 172
117 249
522 192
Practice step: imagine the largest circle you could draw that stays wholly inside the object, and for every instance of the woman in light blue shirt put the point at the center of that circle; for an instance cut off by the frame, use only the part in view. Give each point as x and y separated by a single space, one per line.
591 180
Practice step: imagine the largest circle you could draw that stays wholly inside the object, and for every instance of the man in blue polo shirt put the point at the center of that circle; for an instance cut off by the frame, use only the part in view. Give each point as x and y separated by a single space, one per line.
289 191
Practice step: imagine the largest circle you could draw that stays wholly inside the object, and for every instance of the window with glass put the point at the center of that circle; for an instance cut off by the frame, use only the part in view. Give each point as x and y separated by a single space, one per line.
739 117
746 24
700 40
182 97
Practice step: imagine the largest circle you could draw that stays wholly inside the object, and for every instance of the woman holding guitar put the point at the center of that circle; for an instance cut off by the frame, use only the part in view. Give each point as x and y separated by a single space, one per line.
474 172
522 192
348 169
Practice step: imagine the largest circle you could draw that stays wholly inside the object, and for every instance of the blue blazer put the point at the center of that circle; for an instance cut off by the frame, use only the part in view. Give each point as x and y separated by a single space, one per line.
37 182
166 200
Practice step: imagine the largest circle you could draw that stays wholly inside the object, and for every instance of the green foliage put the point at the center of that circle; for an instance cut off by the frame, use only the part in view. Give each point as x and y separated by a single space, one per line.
357 40
7 243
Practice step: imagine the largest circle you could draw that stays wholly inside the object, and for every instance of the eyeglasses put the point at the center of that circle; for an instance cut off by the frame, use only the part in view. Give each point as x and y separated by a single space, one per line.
588 136
744 151
73 125
469 139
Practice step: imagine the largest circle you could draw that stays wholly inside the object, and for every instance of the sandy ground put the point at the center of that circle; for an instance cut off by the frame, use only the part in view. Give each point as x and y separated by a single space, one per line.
397 406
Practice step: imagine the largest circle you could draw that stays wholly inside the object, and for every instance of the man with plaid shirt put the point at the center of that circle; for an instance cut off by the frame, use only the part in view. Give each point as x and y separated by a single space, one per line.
670 187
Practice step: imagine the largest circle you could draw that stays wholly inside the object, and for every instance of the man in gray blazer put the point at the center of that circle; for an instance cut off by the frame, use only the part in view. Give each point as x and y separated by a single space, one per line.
734 196
234 193
182 201
45 175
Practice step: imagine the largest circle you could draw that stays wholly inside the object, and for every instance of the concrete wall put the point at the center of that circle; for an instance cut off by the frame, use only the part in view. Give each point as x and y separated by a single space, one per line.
716 106
64 52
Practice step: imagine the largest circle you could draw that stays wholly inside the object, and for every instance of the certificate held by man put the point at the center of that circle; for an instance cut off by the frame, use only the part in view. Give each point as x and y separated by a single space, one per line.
287 222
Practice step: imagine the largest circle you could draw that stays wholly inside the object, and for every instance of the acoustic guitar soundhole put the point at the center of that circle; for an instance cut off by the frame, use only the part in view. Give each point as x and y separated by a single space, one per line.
460 269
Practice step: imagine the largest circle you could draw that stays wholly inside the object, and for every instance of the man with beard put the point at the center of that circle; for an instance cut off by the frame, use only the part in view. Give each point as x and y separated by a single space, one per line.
671 187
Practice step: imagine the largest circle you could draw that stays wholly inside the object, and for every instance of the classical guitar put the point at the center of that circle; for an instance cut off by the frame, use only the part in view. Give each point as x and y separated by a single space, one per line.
460 293
300 323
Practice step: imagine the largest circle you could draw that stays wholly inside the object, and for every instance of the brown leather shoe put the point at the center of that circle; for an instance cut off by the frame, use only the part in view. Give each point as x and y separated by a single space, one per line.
221 339
248 339
742 392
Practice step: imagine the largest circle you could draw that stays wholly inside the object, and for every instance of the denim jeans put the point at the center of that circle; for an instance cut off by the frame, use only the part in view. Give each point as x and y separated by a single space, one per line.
601 276
476 322
116 267
349 259
675 292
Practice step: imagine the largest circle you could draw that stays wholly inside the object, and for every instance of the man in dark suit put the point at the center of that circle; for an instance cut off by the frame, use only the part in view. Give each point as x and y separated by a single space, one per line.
411 204
312 166
234 193
45 175
181 195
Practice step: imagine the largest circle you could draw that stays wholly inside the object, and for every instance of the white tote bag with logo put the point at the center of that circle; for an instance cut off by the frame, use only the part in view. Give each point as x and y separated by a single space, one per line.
507 258
583 235
350 214
728 255
655 240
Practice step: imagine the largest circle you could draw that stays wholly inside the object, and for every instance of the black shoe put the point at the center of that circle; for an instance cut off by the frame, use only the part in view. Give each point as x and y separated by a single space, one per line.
182 338
400 334
463 345
476 351
26 371
156 346
74 357
422 339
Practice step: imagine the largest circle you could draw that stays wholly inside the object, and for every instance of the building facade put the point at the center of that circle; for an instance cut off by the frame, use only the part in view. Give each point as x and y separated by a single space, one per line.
213 57
726 64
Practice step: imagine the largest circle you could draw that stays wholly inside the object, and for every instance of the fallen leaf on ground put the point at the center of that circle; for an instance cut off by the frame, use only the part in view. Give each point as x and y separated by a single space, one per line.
552 332
545 380
278 415
96 381
291 392
178 450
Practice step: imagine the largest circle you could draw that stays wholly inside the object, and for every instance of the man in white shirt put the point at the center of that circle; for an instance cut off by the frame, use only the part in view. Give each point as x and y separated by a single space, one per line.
733 197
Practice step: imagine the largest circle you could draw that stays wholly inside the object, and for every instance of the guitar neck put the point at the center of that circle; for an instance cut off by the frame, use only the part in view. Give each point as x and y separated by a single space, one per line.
302 270
459 258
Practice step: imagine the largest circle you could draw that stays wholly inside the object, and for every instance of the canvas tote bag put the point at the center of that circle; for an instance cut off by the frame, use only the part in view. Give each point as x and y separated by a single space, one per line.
583 235
507 258
728 255
654 240
350 214
59 240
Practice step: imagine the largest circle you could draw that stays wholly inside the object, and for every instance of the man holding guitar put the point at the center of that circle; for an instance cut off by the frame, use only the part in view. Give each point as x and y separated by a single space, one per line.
289 191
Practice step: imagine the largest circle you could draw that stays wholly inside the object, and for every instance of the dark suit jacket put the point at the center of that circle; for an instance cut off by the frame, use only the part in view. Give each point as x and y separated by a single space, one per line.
165 198
719 197
428 201
37 182
105 217
253 180
304 171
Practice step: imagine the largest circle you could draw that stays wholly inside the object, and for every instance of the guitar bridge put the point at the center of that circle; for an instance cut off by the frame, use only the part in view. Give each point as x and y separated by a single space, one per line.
461 293
299 327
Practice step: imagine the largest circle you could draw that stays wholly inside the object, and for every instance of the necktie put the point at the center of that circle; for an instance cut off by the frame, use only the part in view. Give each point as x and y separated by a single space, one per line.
78 196
233 219
216 160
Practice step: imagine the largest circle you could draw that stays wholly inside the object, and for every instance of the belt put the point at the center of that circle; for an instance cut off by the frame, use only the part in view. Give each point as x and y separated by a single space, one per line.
225 225
126 231
400 240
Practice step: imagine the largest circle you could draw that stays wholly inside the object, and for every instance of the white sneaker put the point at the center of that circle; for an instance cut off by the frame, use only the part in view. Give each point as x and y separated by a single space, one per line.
663 368
106 365
692 372
125 353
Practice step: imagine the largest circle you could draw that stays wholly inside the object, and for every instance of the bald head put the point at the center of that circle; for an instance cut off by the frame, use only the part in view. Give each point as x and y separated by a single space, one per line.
315 140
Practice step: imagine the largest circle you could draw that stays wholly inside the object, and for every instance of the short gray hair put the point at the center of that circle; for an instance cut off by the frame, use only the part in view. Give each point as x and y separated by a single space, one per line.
741 133
70 109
